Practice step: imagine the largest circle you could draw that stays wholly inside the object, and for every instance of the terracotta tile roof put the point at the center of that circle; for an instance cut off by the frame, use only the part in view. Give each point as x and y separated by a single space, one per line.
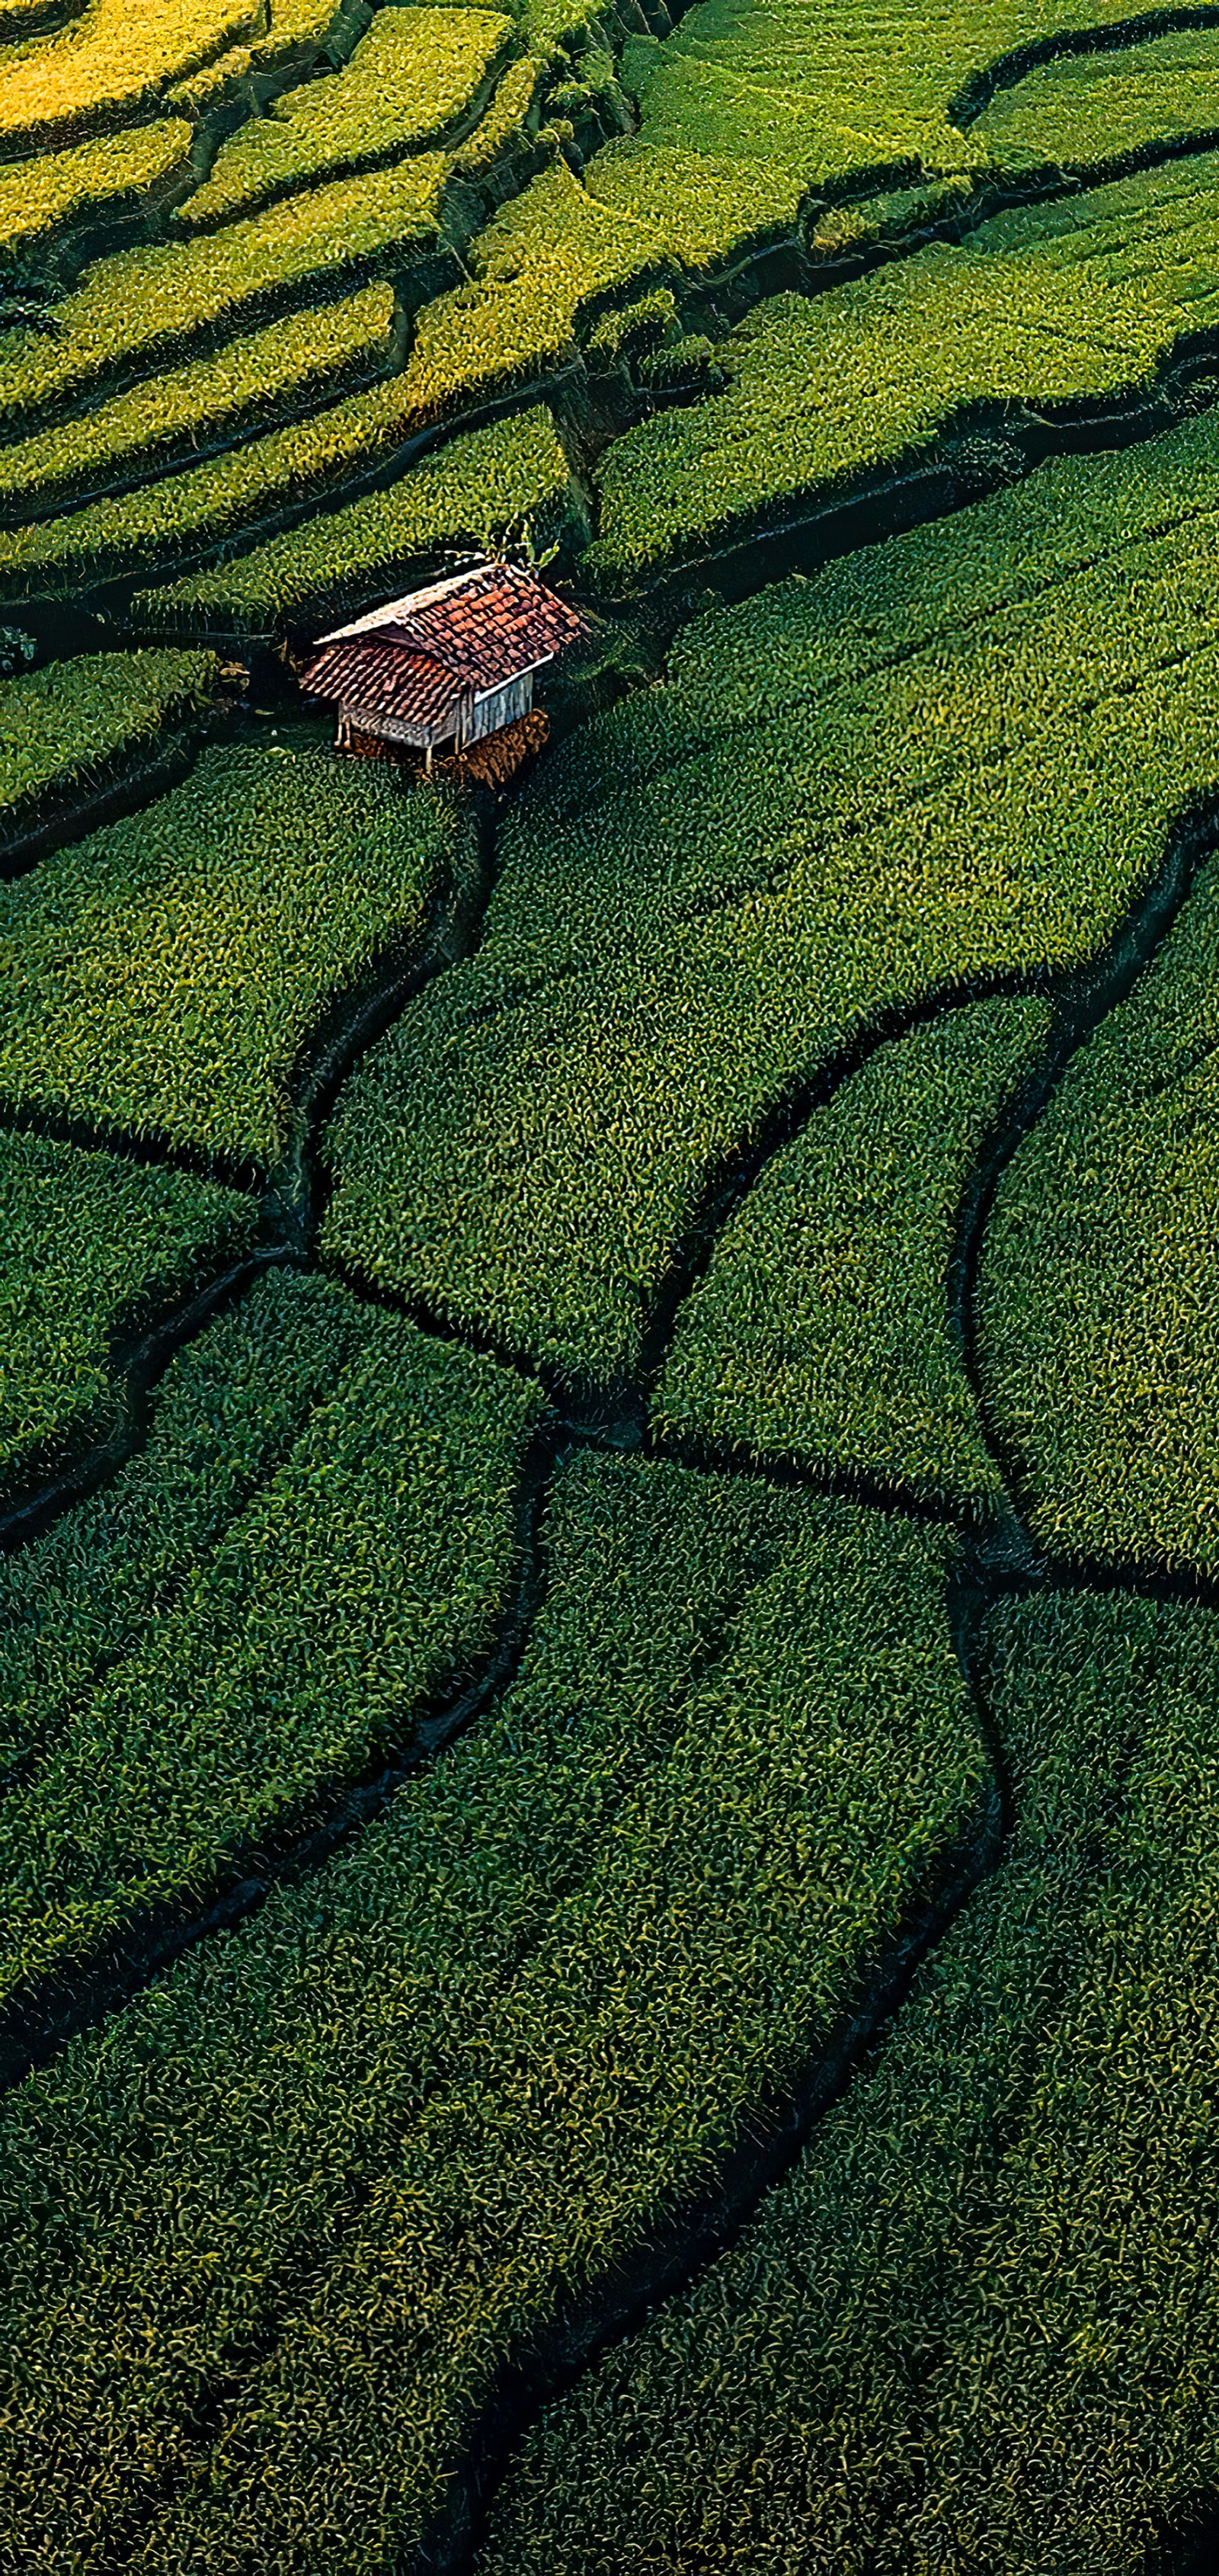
387 679
501 622
481 629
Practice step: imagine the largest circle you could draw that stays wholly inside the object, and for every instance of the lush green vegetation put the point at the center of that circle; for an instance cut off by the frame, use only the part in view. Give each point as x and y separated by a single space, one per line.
1097 1293
745 113
289 365
1089 111
111 66
724 158
94 1249
821 1336
718 888
227 1412
360 1581
1048 309
207 505
102 181
410 77
298 32
795 100
164 974
468 346
475 491
64 726
459 2078
774 944
148 305
976 2325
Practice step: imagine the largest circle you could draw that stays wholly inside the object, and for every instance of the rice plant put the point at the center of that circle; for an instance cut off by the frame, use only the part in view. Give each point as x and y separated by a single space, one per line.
290 365
94 1250
67 726
146 306
977 2324
358 1581
896 780
472 492
821 1336
111 68
1096 1299
467 2073
164 974
1047 310
100 181
1094 110
406 83
228 1411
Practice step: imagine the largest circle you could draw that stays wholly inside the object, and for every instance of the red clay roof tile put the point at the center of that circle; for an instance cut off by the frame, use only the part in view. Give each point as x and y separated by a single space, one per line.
481 631
386 679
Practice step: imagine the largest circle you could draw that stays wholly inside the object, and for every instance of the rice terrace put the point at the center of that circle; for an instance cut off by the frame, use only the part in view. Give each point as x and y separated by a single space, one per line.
609 1288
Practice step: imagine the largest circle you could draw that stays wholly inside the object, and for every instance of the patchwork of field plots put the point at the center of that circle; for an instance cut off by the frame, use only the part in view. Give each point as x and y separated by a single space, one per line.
609 1419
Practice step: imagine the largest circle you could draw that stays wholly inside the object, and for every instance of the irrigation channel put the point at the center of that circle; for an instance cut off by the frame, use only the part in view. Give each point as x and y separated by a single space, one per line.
994 1557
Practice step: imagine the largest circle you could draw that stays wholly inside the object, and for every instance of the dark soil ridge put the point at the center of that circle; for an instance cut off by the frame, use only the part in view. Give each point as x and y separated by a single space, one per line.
570 2353
40 2017
770 2138
1084 1002
51 825
1188 2543
393 976
294 1192
35 1499
16 28
1007 70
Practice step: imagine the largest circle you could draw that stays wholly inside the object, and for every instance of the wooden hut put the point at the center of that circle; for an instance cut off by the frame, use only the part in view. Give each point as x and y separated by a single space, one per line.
446 666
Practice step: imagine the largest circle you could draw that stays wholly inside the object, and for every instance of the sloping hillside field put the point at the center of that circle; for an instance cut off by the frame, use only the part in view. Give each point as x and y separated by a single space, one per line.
609 1375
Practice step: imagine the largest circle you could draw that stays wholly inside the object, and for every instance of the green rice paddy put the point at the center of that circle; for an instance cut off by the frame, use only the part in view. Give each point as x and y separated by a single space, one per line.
609 1420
